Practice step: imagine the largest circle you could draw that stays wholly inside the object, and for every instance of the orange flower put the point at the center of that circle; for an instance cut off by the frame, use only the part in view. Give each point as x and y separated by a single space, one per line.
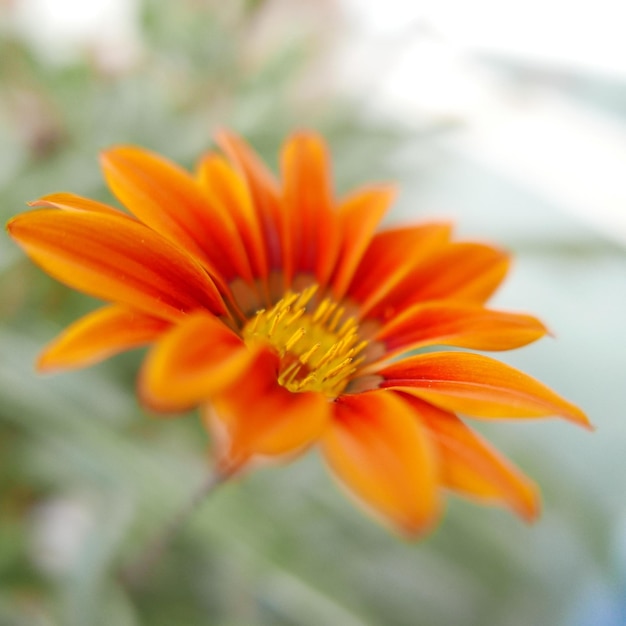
283 313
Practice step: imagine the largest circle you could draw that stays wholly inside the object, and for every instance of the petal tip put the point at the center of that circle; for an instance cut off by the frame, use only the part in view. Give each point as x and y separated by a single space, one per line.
586 424
10 225
45 365
17 224
530 508
578 416
417 529
110 157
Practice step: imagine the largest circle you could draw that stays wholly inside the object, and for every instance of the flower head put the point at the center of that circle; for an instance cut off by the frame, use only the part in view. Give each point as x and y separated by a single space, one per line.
292 321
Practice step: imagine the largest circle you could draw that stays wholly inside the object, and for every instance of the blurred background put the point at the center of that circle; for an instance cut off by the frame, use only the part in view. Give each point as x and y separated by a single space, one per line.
509 118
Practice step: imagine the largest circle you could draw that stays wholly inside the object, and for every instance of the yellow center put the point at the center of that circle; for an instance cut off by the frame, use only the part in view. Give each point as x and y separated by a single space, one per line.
318 346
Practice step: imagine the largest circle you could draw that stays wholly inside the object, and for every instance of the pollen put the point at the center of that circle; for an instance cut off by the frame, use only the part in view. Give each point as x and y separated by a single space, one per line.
318 345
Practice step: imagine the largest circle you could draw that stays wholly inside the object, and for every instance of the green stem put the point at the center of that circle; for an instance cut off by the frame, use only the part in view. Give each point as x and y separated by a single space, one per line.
138 571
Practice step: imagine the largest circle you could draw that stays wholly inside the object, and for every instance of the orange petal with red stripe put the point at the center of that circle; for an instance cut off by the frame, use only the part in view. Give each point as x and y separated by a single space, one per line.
99 335
263 189
168 199
389 259
472 467
261 417
478 386
461 324
378 448
461 271
116 259
357 219
310 235
465 271
197 358
226 189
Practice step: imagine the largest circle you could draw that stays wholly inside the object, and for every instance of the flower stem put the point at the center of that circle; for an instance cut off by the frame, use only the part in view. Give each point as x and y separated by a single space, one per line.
138 571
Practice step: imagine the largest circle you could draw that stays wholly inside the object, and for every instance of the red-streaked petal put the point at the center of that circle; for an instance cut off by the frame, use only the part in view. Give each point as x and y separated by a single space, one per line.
358 216
261 417
459 271
197 358
116 259
461 324
390 257
263 188
478 386
98 335
472 467
464 271
378 448
159 193
226 189
310 233
72 202
168 199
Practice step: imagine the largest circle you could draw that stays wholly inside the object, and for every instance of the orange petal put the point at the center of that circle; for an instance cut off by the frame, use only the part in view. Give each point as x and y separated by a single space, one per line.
310 234
168 199
263 188
117 259
358 216
226 189
72 202
460 271
389 259
262 418
464 271
98 335
478 386
459 324
470 466
378 448
198 358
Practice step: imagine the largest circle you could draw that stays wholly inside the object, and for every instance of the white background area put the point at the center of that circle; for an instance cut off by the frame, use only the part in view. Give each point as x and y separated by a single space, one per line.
424 56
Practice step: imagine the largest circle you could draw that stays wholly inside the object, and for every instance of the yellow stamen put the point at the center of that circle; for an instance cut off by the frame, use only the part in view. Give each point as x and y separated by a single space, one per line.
307 355
295 338
318 347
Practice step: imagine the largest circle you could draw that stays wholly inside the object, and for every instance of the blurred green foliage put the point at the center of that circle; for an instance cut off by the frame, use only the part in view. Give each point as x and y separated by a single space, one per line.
87 478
